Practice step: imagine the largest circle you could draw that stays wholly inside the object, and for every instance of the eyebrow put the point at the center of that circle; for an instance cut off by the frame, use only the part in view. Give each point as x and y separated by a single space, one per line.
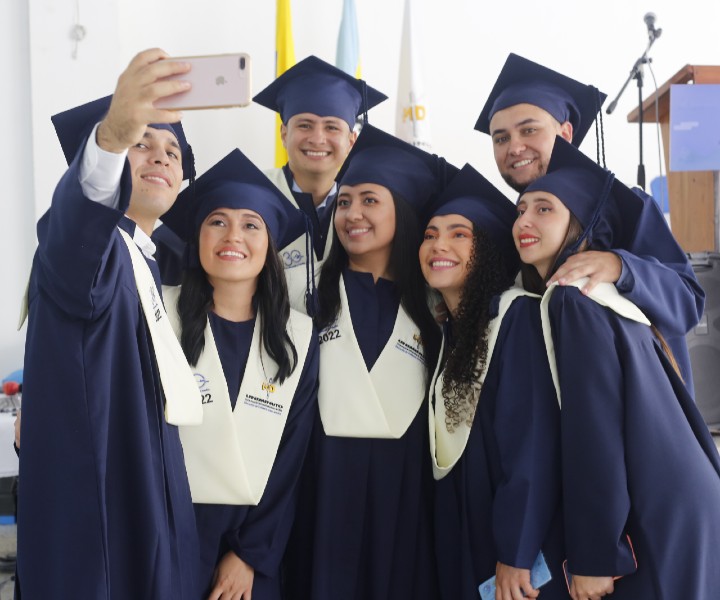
361 193
452 226
171 140
520 124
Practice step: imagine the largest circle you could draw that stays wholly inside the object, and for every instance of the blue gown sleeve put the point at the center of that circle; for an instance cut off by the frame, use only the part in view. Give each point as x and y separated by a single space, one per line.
261 539
76 253
527 430
596 501
657 275
668 293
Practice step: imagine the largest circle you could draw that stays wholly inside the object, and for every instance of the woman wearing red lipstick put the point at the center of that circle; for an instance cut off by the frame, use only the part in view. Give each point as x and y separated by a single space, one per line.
255 362
364 526
494 430
640 472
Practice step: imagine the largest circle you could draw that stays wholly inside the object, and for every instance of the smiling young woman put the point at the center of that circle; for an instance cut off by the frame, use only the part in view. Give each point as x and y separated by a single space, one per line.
364 527
255 362
640 471
493 416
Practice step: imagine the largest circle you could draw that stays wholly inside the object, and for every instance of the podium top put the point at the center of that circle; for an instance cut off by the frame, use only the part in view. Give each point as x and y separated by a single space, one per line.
689 73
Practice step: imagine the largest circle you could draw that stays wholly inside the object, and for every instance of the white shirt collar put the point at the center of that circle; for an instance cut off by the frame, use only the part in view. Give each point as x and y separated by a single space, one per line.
323 204
143 241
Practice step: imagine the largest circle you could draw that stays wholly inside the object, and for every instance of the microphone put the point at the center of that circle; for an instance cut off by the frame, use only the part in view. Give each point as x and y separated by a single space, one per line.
649 19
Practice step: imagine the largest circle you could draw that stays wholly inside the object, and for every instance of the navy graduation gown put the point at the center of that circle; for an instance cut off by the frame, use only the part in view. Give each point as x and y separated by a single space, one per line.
169 254
501 501
638 460
105 509
659 279
364 526
259 534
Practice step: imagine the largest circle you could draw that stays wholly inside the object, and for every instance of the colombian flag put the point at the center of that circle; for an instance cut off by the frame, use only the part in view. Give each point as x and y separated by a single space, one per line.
284 59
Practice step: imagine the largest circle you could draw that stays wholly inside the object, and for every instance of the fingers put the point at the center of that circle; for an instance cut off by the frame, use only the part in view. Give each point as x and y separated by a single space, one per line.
599 267
528 591
132 107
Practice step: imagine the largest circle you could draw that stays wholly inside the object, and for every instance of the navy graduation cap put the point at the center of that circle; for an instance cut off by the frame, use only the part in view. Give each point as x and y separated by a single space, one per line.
314 86
608 210
471 195
234 182
74 126
523 81
378 157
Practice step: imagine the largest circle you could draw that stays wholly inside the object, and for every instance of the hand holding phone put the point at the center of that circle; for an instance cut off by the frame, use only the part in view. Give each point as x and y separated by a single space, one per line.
539 576
218 81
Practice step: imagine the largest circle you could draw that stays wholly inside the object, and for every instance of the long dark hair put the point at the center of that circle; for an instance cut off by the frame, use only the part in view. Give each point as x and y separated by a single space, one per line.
403 266
271 297
487 277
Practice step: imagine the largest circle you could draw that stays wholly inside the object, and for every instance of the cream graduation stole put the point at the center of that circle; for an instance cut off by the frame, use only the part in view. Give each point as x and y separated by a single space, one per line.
229 457
182 406
295 253
605 294
377 404
446 448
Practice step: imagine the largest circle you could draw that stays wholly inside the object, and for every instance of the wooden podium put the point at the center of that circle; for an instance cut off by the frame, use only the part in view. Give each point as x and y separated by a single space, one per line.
692 194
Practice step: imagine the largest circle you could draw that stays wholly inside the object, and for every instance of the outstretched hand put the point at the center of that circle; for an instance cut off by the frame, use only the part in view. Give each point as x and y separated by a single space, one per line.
132 107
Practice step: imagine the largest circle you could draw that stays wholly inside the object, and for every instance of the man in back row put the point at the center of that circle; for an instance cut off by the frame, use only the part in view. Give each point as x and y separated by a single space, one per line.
528 107
318 105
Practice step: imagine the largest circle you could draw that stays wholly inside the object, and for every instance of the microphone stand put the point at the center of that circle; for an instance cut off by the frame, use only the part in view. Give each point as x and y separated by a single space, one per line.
637 74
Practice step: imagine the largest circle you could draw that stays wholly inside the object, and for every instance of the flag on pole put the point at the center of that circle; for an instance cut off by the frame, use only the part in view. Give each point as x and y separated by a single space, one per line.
284 59
411 123
347 56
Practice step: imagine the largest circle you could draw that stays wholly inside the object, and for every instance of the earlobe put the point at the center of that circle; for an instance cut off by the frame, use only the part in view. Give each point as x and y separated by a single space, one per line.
283 134
566 131
353 137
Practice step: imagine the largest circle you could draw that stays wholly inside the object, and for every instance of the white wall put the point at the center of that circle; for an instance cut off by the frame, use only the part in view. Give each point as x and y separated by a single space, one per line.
16 207
465 44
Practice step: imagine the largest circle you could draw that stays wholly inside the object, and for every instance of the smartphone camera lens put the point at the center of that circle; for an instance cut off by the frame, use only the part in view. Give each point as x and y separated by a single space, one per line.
242 63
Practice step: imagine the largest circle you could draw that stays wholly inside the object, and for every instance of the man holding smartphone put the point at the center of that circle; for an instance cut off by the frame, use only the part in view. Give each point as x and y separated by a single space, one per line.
319 105
105 509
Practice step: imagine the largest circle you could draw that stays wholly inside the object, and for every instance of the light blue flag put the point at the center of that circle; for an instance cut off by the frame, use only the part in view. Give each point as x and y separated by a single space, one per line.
347 56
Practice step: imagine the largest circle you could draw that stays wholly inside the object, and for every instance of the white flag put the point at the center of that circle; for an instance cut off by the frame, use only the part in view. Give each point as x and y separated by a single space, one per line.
411 123
347 56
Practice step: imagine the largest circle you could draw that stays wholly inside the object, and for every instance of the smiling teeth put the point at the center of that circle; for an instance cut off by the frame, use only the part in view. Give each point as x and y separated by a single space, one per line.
153 178
522 163
311 153
529 240
231 253
358 231
442 263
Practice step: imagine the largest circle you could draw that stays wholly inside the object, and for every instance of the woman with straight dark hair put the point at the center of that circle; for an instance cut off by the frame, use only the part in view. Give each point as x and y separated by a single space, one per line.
641 475
493 415
255 361
364 523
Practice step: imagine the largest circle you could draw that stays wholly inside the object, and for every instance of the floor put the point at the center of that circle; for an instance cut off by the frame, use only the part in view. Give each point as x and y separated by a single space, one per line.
8 536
